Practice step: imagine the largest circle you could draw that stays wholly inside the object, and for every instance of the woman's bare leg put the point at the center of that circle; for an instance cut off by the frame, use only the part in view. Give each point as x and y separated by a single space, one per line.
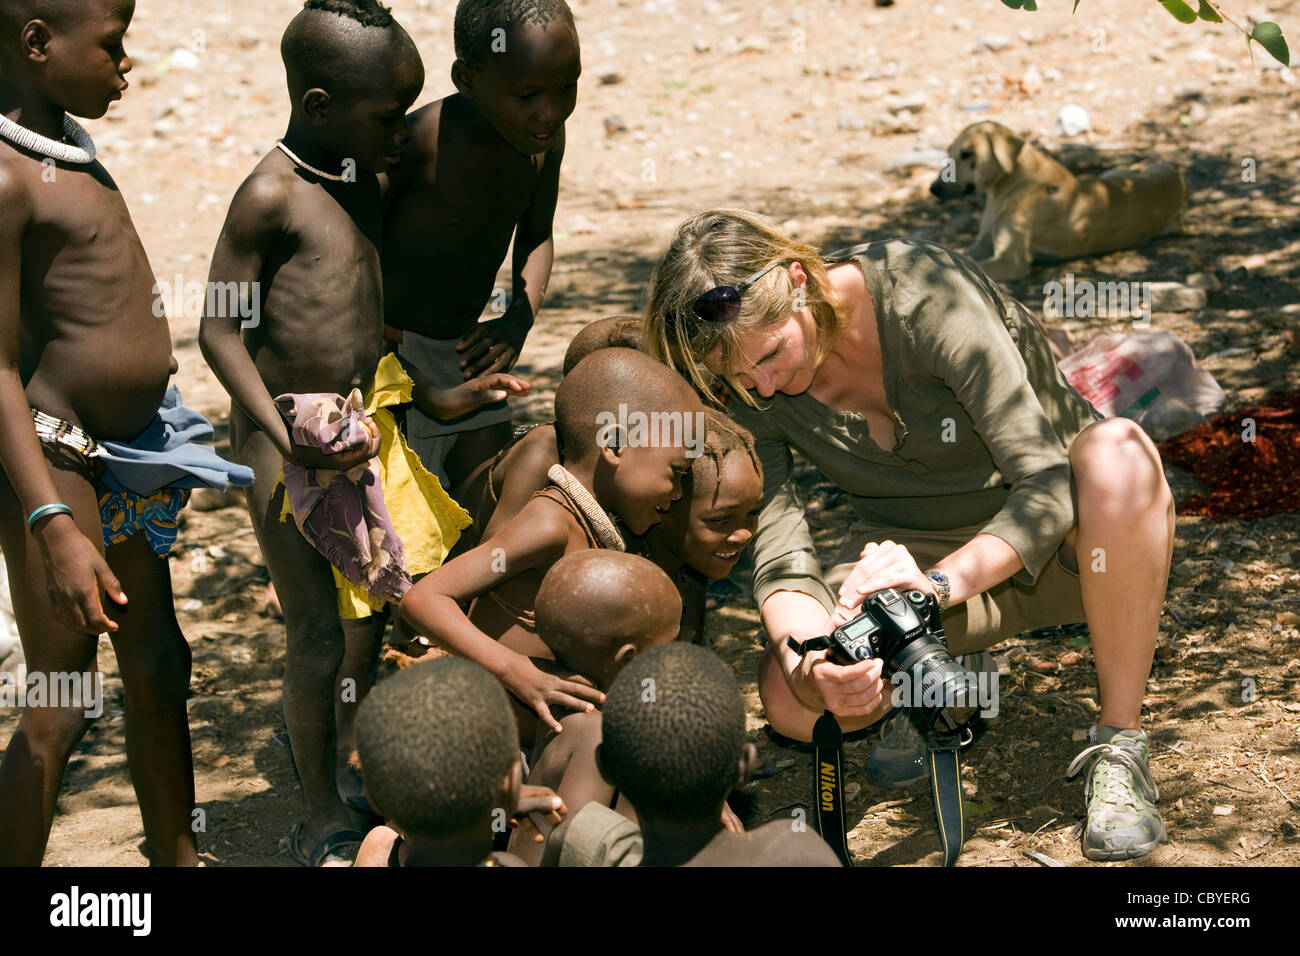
1124 543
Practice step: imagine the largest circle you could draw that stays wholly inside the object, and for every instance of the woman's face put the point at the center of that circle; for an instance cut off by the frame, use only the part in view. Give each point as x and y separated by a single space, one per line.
709 530
779 358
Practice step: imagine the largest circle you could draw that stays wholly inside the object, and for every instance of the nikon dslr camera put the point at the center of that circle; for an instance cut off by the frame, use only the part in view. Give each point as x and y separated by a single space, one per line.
904 630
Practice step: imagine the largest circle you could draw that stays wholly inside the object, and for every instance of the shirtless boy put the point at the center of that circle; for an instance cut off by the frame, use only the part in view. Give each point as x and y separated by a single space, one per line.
482 167
80 343
596 611
305 227
635 480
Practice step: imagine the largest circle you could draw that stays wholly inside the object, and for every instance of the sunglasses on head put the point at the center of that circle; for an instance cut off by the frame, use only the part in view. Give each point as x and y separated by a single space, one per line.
722 304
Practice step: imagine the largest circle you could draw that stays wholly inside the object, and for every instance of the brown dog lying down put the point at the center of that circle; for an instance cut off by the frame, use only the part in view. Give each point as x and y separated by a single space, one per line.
1038 211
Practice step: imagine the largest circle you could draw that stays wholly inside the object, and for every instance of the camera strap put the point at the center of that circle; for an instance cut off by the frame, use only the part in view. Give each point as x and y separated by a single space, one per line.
828 785
945 789
944 759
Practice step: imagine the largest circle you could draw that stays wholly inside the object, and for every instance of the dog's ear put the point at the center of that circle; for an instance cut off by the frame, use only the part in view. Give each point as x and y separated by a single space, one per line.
1006 150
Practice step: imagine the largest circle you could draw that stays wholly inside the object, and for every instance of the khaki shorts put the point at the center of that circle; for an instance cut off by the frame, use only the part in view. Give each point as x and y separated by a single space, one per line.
1001 612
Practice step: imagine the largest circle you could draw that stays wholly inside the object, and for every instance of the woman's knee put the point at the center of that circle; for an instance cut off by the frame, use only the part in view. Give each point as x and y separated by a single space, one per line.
1117 465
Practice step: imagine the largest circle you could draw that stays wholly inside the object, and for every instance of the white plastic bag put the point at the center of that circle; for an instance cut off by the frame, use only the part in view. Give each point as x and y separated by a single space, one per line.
1151 377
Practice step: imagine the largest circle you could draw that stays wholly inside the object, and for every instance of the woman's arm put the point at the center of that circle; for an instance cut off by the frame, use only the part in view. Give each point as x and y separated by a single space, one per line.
981 344
793 599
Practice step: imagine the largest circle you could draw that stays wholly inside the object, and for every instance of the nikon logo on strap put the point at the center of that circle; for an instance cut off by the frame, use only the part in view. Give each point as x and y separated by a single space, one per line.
827 785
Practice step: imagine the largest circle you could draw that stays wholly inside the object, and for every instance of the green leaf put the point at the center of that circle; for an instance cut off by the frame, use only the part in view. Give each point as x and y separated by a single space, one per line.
1030 5
1014 4
975 809
1207 12
1080 641
1181 11
1076 8
1269 35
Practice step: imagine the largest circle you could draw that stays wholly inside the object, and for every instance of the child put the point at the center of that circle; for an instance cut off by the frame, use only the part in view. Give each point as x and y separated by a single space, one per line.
627 607
703 535
83 355
633 474
499 488
483 166
673 743
304 230
440 756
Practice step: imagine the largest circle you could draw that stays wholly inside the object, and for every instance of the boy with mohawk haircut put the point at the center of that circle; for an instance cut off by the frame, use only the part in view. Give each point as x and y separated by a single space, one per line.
98 454
482 169
343 511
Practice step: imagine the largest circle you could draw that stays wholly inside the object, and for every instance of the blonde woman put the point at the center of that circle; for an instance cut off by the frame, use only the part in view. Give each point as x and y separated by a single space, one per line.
976 474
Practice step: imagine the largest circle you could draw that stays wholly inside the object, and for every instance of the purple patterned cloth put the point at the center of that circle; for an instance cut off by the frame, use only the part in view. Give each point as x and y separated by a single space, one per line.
342 513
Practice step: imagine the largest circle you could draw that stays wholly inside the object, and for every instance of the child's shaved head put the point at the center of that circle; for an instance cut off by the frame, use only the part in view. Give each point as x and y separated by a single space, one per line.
436 740
477 19
674 733
616 331
334 45
608 381
597 609
56 14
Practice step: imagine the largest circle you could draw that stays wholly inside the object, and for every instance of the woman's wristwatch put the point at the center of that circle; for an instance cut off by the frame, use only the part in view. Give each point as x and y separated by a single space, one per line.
942 587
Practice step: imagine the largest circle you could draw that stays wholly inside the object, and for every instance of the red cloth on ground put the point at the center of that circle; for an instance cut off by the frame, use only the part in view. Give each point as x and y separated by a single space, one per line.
1250 479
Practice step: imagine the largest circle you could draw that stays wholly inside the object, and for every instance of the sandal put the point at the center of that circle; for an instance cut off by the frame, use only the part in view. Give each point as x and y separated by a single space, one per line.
331 849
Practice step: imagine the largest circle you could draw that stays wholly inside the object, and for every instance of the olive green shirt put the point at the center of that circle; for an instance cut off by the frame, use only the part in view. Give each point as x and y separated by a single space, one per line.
983 420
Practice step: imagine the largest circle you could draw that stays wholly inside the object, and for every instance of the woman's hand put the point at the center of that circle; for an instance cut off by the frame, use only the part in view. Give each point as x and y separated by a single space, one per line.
853 690
883 565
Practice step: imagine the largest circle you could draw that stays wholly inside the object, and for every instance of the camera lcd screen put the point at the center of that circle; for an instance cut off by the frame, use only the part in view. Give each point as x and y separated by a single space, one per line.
860 628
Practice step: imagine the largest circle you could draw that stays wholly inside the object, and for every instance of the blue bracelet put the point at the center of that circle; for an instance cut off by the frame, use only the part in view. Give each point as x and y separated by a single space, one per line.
46 510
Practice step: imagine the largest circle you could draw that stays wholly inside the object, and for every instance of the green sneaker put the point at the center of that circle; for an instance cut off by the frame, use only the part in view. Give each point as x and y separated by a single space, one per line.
898 759
1123 822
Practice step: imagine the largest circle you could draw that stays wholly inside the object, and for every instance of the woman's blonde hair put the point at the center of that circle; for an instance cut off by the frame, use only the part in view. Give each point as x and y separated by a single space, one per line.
725 247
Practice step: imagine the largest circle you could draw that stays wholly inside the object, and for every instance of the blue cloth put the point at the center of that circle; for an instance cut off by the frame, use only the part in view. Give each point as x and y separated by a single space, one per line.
167 454
123 514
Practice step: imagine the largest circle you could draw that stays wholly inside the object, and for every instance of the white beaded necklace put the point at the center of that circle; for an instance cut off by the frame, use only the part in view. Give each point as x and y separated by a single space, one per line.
606 531
80 154
279 143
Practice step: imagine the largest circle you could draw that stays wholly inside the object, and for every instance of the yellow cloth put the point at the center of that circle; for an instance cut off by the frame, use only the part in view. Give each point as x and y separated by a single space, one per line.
424 516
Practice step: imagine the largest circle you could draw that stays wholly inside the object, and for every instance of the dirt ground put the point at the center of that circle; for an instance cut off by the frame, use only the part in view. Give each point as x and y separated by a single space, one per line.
784 108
